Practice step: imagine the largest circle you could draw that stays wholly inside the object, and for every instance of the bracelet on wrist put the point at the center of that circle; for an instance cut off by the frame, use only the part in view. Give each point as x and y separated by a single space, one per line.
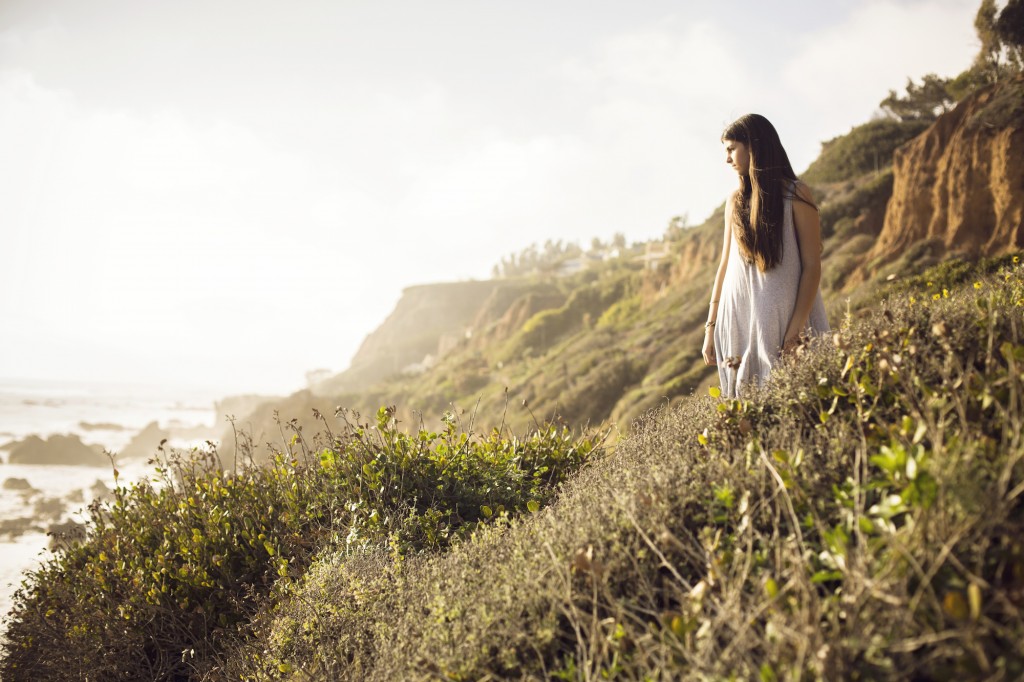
709 325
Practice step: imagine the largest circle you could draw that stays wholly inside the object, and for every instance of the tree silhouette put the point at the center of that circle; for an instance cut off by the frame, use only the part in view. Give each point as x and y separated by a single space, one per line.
1010 30
922 102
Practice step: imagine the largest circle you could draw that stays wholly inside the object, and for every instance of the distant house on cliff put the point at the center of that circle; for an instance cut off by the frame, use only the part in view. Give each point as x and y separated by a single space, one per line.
656 253
315 376
571 266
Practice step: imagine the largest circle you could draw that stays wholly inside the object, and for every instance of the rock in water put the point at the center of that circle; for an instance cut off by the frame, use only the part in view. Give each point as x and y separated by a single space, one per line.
51 509
66 534
19 484
99 491
68 450
145 442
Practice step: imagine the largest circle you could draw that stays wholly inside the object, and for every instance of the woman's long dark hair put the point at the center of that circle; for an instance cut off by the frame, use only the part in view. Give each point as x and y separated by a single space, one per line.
758 205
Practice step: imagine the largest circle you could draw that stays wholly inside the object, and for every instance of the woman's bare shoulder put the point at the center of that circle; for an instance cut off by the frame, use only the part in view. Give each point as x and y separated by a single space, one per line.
803 191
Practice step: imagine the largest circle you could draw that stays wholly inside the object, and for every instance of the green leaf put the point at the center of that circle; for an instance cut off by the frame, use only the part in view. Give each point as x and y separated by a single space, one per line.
715 392
826 576
678 626
533 505
486 511
724 495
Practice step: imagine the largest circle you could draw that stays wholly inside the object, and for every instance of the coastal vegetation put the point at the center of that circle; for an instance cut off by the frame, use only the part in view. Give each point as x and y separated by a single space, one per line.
172 570
860 516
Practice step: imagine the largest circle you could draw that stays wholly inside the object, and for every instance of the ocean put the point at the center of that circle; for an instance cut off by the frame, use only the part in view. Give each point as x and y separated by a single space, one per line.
109 415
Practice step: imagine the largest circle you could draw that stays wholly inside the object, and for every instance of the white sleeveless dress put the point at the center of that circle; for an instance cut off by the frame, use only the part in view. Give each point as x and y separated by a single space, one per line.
754 310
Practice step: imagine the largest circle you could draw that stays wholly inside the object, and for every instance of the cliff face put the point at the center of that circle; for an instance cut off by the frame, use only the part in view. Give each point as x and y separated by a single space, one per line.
961 182
701 249
424 316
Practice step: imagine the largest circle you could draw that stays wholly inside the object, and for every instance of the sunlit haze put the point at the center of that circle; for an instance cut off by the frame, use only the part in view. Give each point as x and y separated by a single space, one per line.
228 194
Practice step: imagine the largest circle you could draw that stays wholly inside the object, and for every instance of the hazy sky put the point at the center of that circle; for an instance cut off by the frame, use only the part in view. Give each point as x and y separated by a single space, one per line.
226 193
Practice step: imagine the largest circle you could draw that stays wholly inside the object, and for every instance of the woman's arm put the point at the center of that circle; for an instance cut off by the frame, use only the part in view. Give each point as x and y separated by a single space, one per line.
716 291
808 236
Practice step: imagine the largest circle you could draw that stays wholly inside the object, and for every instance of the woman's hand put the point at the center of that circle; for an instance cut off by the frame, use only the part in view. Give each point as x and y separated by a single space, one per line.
709 347
790 344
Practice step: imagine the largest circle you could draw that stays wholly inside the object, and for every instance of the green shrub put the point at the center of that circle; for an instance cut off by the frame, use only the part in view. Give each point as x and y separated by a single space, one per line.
621 313
596 393
172 570
873 194
867 147
547 327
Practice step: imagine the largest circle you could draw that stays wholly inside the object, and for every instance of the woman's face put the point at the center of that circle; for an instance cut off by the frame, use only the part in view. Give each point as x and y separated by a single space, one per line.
738 156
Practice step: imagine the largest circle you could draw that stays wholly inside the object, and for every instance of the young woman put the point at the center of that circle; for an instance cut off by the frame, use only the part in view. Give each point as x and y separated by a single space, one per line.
766 297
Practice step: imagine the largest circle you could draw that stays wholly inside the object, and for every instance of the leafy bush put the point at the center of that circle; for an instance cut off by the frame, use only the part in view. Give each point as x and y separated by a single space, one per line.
597 391
548 326
172 570
865 197
859 517
867 147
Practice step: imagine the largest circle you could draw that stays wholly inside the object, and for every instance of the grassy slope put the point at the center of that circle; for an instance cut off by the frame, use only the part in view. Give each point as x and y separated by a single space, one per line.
860 518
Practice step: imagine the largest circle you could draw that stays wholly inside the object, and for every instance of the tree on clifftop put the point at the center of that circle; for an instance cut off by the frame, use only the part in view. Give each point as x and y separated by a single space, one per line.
922 102
1010 30
1002 47
989 57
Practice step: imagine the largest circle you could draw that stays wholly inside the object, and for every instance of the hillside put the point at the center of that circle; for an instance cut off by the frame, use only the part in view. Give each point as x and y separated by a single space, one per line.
859 518
621 337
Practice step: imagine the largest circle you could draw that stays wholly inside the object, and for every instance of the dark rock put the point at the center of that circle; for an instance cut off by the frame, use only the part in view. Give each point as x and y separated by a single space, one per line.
145 442
75 497
50 508
99 490
64 535
12 528
18 484
68 450
100 426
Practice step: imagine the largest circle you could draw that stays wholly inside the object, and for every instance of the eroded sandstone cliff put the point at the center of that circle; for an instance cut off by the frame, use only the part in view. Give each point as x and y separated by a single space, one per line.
960 184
